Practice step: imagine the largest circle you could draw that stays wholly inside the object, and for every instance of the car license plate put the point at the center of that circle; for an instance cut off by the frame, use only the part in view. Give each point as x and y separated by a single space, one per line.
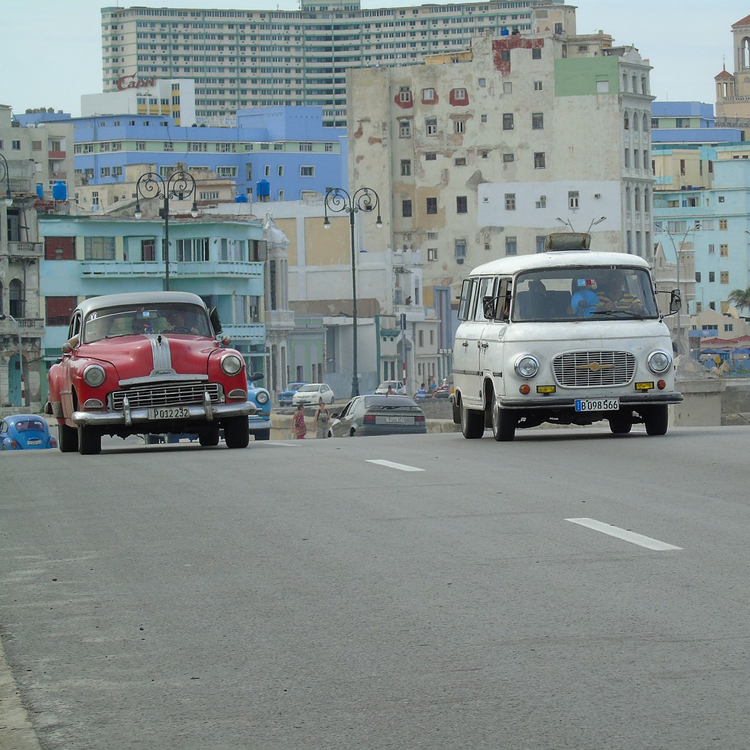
35 441
169 412
394 420
597 404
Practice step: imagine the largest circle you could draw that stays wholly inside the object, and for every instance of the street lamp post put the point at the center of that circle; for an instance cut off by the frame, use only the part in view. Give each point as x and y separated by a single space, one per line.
180 186
338 200
5 172
678 253
20 354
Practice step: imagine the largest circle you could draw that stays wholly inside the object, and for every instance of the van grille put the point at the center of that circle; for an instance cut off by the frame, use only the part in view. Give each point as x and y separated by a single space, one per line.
593 369
166 394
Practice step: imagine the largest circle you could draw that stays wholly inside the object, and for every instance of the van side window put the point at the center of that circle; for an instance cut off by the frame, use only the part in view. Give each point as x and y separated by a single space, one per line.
486 288
504 300
465 303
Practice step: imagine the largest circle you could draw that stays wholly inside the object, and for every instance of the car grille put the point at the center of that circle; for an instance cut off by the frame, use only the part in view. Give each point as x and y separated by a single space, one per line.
593 369
166 394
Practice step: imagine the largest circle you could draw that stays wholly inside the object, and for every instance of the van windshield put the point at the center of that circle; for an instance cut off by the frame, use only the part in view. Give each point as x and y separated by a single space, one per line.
599 293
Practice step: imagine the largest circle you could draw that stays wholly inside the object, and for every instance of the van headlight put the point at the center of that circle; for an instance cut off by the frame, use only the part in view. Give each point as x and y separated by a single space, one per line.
231 364
262 397
659 362
94 375
526 366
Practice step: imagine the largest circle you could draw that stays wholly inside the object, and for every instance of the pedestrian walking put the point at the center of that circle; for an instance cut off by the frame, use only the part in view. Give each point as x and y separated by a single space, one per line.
299 428
322 417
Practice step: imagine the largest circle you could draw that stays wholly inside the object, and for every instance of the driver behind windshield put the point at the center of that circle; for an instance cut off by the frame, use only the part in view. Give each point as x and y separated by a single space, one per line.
614 296
181 322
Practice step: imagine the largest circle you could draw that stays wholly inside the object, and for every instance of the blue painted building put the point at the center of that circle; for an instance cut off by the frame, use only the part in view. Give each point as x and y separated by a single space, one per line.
286 151
220 259
688 122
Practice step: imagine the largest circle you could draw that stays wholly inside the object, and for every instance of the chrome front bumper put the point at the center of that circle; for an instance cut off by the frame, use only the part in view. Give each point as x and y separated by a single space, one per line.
552 402
205 412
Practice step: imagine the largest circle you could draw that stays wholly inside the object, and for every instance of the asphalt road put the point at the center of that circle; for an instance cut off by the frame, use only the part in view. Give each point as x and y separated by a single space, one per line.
298 596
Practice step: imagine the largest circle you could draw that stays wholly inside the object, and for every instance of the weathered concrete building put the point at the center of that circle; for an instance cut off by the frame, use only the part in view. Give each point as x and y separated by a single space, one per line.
482 154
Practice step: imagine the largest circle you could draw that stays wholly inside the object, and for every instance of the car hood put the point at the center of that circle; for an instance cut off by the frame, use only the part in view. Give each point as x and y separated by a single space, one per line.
140 356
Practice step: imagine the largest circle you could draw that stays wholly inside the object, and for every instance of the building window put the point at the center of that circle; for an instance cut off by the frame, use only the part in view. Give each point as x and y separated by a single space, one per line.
432 205
511 246
404 129
462 205
406 208
459 126
404 95
405 167
193 250
537 121
541 243
725 277
572 199
507 121
537 85
542 202
507 158
305 147
698 277
722 224
307 171
431 126
459 249
536 53
431 156
724 251
432 253
711 249
539 160
116 171
711 276
507 87
15 145
59 310
510 201
140 145
484 118
428 95
148 250
602 87
460 161
221 173
459 95
99 248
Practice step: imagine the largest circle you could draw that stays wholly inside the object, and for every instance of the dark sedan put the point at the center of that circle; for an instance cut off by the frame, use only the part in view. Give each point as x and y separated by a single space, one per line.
379 415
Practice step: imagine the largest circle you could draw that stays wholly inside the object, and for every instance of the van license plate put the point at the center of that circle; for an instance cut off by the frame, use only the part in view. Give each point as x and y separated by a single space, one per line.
597 404
169 412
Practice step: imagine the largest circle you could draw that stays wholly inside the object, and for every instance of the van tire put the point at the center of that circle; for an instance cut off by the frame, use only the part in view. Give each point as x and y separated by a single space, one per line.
504 423
620 426
472 423
656 419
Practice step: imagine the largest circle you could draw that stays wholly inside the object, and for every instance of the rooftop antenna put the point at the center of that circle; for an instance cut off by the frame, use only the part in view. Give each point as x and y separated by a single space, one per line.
566 222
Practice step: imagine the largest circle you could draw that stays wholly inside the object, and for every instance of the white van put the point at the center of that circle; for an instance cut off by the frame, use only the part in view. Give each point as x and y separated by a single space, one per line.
568 336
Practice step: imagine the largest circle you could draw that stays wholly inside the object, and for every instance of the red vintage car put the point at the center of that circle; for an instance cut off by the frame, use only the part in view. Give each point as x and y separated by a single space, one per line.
151 362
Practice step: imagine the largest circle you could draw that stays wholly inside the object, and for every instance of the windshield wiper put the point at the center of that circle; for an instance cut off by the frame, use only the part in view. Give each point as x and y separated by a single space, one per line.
620 313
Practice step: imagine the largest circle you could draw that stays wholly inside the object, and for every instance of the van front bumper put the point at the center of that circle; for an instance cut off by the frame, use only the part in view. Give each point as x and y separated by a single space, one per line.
630 401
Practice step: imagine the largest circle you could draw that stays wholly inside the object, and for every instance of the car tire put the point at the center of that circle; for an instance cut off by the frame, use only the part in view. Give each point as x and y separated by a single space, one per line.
236 432
620 426
656 419
67 439
209 437
262 434
89 441
472 423
504 422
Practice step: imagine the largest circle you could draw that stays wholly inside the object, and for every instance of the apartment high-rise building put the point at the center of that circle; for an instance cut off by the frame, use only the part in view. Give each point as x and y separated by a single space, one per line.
252 58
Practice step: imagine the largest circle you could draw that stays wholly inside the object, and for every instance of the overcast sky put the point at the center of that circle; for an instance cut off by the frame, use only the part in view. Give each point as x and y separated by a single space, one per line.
51 49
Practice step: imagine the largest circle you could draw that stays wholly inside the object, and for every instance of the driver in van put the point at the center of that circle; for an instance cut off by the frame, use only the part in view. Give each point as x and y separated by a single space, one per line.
614 296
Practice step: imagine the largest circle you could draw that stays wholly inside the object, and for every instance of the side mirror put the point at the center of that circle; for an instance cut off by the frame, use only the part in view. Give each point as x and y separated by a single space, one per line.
256 376
70 345
675 301
489 307
215 322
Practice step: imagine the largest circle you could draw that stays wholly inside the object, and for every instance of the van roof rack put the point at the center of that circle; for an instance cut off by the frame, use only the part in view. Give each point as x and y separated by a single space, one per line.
567 241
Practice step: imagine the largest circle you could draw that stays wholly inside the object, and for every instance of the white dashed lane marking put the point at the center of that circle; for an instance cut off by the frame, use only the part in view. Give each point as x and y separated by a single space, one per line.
392 465
624 534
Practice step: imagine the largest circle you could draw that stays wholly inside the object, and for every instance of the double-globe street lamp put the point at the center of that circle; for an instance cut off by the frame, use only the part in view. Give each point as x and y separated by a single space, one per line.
178 186
338 200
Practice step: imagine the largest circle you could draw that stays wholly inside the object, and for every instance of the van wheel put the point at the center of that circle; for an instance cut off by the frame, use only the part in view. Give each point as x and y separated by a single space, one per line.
504 423
656 419
620 426
472 423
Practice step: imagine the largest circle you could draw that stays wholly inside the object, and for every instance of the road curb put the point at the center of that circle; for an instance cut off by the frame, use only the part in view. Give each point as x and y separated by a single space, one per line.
16 731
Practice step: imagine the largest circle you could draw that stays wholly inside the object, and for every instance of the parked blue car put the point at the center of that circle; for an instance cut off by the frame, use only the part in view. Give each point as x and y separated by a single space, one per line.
260 422
23 432
285 397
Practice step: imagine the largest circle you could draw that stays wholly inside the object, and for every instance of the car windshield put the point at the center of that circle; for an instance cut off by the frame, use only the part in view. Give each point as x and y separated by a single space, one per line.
389 401
308 389
29 424
127 320
599 293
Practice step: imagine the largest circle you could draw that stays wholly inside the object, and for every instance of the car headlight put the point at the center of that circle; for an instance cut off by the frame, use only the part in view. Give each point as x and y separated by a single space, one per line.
262 397
526 366
231 364
659 362
94 375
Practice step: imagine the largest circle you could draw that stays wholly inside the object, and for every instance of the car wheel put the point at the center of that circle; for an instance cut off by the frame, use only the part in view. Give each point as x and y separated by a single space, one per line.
89 441
67 438
656 419
262 435
236 432
504 422
209 437
472 423
620 426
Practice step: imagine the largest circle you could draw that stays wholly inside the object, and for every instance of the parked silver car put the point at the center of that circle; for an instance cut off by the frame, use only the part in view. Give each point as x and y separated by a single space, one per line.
398 388
312 393
378 415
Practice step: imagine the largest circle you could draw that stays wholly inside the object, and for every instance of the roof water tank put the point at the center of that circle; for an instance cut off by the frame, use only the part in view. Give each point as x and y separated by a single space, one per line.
263 188
40 191
240 199
60 191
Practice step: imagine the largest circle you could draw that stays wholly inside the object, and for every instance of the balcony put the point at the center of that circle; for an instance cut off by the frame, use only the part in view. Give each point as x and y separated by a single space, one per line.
56 154
30 328
246 333
184 270
278 319
20 250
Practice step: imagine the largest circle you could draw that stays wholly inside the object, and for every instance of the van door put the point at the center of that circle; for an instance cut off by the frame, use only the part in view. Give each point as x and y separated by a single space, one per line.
493 344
